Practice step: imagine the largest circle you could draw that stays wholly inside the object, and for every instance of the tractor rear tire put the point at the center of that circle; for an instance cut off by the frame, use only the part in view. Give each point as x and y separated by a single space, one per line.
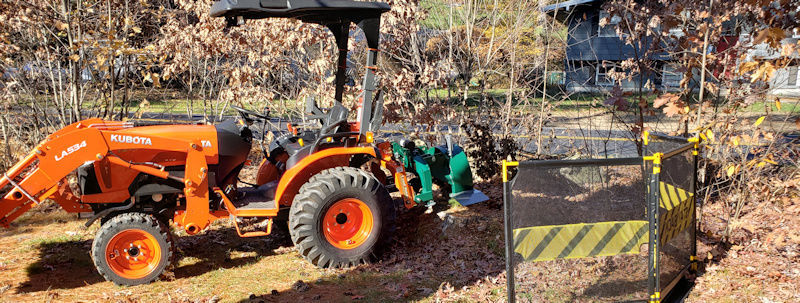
342 217
132 249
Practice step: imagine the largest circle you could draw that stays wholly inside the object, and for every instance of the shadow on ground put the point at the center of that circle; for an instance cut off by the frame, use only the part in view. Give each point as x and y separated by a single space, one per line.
61 265
68 264
214 249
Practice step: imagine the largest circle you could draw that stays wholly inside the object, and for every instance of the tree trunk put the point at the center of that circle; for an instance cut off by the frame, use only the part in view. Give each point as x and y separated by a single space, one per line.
703 70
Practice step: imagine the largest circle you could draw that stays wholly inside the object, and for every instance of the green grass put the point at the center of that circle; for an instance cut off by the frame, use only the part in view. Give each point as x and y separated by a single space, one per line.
473 96
786 107
58 239
172 102
442 93
49 241
575 102
181 106
218 264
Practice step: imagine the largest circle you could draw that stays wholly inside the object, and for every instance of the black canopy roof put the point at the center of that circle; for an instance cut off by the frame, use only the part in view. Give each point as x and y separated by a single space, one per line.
314 11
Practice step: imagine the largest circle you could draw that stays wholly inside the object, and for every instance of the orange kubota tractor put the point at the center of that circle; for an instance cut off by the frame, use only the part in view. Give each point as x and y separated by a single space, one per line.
333 180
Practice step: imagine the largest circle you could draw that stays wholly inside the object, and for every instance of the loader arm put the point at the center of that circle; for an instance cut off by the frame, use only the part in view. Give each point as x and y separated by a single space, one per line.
45 167
39 175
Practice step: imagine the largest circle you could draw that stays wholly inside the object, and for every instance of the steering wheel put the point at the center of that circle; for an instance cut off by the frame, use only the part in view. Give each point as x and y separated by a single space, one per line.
246 114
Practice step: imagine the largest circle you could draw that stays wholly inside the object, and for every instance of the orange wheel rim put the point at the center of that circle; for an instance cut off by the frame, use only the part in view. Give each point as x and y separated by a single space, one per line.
133 253
347 223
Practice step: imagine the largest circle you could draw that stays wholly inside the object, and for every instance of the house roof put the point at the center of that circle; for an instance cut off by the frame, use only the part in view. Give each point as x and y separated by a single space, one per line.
566 5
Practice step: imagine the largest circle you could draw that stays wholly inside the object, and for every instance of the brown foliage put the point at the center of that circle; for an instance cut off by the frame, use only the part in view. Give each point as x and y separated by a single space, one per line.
485 152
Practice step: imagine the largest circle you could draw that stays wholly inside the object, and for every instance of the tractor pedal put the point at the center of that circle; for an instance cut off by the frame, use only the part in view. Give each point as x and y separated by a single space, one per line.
248 234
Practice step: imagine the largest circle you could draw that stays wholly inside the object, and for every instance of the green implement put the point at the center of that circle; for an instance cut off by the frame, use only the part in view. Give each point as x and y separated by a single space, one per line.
446 165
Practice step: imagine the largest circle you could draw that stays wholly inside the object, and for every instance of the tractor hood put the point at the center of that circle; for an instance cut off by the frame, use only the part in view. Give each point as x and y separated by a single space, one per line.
205 134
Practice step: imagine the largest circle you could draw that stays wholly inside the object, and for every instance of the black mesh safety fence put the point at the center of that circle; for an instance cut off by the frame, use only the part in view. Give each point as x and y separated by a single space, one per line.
677 211
578 230
601 230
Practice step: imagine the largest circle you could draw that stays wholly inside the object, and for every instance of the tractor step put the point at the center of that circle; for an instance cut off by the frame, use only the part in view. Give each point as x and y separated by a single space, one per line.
253 233
262 197
252 201
245 205
255 201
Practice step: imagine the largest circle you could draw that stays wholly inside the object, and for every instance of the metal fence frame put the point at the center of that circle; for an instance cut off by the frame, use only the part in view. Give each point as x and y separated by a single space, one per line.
652 200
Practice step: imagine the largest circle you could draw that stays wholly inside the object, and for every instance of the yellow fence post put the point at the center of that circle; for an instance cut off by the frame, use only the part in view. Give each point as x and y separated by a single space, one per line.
653 218
508 230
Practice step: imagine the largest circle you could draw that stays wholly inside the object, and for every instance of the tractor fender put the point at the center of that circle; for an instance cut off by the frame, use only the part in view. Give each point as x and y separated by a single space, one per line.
298 174
268 170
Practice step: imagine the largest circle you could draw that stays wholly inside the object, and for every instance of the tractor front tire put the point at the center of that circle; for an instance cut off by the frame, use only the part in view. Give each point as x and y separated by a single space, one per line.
342 217
132 249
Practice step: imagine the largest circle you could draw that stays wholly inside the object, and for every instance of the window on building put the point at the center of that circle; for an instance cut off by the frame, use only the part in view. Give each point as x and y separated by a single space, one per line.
601 76
670 76
793 76
730 29
610 30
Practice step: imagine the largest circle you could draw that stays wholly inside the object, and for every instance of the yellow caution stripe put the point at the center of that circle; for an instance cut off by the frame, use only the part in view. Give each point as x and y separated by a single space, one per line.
679 206
675 221
542 243
672 196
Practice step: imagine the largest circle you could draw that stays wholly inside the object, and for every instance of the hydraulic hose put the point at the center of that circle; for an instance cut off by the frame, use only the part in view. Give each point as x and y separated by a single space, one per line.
106 211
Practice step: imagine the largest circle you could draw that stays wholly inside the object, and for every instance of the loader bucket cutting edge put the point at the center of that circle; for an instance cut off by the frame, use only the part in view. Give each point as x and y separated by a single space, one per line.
469 197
